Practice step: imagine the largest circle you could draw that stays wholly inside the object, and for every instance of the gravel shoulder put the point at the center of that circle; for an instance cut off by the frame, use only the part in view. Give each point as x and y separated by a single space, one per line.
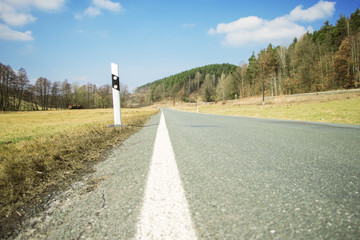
104 204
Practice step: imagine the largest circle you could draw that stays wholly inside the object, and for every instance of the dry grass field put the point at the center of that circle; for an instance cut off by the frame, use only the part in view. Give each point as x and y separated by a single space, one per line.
333 108
20 126
43 150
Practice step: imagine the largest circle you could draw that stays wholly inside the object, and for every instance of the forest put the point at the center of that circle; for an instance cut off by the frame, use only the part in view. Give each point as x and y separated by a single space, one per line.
327 59
182 85
16 93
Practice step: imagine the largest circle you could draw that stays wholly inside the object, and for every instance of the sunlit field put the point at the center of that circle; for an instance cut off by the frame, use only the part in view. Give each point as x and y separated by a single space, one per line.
340 108
20 126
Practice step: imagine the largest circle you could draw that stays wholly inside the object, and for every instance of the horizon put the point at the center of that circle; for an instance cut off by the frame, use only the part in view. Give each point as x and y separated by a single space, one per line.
63 39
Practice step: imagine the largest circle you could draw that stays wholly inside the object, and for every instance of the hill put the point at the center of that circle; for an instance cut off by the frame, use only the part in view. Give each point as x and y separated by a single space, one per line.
324 60
185 84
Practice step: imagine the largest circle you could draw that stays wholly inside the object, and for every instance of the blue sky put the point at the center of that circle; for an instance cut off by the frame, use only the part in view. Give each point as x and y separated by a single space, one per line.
149 39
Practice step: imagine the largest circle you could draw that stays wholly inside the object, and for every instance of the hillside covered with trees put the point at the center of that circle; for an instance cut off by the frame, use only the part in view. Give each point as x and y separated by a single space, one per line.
182 85
327 59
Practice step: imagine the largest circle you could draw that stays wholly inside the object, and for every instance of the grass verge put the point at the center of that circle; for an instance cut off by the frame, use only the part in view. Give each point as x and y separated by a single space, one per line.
340 108
42 160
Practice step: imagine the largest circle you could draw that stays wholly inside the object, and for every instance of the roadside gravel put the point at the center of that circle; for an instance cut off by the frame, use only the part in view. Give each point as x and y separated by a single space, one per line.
105 204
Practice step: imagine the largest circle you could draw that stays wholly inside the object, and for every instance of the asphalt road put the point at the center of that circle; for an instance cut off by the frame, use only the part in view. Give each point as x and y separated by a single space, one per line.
249 178
243 178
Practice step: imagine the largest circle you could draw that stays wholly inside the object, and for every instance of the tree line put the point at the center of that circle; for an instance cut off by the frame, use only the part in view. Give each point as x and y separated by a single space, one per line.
184 85
327 59
17 93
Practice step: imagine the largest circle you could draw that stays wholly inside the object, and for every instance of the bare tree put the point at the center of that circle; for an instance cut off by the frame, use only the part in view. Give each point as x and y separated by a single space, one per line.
55 99
23 84
8 79
66 94
104 93
42 88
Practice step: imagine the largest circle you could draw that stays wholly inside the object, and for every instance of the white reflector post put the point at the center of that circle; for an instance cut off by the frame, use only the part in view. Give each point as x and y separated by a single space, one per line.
116 93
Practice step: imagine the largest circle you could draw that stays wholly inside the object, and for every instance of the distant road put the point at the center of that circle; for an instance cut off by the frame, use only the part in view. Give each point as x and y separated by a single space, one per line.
248 178
240 178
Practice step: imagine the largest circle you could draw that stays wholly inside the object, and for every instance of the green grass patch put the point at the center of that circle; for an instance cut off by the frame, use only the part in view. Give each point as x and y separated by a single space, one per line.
42 150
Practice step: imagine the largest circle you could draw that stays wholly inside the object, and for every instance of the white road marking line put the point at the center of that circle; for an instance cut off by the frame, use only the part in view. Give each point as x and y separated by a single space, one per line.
165 213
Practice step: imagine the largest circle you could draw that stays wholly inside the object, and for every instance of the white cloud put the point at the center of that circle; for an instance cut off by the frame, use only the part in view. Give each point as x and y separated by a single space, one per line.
243 24
108 5
92 12
44 5
98 5
9 34
78 16
11 16
320 10
277 31
16 13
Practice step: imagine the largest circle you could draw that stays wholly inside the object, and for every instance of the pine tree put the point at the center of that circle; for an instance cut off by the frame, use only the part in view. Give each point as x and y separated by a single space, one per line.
251 74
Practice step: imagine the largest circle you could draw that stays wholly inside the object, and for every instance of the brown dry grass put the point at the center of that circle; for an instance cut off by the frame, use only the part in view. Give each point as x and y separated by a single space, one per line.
51 156
334 108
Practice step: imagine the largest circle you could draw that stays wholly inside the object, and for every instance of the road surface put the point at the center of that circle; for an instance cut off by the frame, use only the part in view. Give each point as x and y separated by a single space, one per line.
240 178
